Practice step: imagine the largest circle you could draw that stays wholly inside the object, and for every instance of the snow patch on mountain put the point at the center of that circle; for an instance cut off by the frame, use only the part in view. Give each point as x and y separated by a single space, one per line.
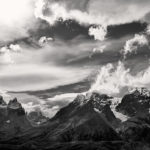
96 110
114 103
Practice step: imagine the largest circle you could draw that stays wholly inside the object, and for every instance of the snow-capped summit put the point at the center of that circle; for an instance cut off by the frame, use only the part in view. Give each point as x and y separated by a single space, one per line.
140 91
100 100
95 102
95 98
80 99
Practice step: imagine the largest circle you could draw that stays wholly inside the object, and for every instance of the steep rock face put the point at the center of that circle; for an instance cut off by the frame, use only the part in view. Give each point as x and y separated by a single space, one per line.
135 103
101 104
119 115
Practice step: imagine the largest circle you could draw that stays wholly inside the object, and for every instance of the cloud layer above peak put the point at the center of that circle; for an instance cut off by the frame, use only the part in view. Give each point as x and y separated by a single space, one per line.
112 79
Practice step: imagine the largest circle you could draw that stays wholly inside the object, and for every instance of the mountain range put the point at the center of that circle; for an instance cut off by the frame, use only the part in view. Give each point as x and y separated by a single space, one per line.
92 121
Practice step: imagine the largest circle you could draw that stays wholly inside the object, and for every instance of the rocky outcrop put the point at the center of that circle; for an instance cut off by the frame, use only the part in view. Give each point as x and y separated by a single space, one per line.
37 118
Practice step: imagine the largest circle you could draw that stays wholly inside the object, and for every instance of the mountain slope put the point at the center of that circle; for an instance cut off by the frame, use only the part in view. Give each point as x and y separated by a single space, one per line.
136 129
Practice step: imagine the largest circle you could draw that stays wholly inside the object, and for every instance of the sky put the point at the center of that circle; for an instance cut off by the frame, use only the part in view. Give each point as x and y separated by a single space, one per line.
49 43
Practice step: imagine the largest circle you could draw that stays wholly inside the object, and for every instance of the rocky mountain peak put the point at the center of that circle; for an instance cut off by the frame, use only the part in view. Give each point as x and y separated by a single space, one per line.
96 103
15 106
99 100
142 91
94 98
80 99
2 102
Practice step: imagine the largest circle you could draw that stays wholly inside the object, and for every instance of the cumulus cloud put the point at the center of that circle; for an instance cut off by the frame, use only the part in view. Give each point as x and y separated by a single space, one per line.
112 79
89 12
44 40
15 47
133 44
99 32
99 49
6 53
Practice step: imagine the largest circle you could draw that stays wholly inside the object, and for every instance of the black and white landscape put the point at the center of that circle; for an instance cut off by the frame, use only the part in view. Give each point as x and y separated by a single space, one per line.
75 74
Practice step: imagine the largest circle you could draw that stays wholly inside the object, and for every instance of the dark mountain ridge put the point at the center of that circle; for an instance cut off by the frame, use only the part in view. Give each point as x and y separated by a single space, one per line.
87 123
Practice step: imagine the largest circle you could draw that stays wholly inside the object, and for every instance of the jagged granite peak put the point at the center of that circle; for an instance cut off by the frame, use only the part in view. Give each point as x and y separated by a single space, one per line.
2 102
101 103
13 120
97 100
86 118
136 102
83 104
14 106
